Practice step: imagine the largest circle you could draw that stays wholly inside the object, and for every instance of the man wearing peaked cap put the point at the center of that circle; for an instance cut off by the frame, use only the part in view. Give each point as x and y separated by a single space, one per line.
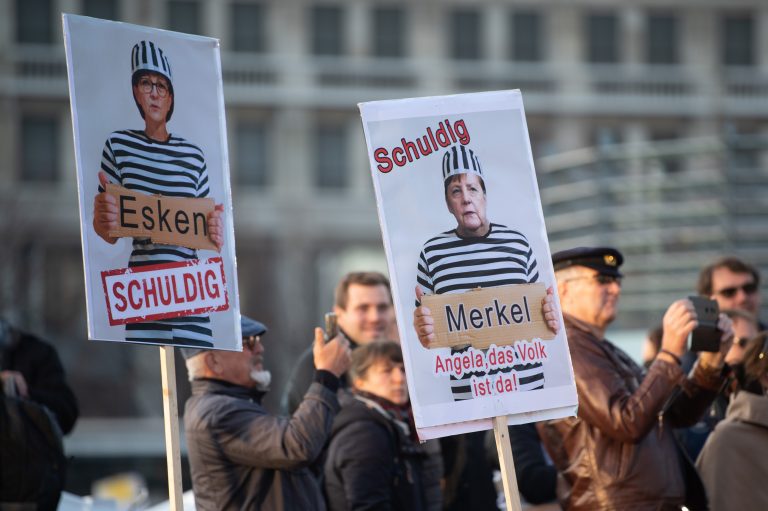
620 453
605 260
242 457
155 161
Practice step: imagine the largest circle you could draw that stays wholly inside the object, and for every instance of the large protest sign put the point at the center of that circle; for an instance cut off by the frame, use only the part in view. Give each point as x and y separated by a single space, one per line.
462 221
153 182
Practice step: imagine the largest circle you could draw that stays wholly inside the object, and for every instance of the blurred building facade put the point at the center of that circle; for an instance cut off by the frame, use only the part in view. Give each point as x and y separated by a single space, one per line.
647 121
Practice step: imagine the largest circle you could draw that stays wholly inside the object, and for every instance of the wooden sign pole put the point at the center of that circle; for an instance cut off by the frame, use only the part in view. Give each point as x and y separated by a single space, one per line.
171 421
508 476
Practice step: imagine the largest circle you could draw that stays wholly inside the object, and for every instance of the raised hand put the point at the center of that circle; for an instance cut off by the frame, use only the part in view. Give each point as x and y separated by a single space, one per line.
105 212
216 227
549 308
423 322
333 356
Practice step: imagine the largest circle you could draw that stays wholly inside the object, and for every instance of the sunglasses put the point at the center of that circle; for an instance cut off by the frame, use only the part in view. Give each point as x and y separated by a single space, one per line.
251 341
603 280
729 292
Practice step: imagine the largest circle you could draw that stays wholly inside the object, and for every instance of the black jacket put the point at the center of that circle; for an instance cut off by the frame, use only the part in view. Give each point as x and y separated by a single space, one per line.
39 363
301 378
372 463
241 457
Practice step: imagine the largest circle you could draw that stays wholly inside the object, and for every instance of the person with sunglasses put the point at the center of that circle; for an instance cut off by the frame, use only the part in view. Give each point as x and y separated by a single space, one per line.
733 283
620 451
154 161
744 329
241 456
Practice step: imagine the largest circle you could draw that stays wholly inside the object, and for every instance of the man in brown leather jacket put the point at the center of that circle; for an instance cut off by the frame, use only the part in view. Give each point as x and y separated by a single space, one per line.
619 453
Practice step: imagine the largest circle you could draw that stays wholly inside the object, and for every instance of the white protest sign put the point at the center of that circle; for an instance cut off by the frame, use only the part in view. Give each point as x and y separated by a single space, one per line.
149 128
460 215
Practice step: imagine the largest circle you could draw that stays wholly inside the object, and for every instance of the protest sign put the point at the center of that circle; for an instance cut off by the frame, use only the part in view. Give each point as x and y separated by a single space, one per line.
154 196
462 225
153 182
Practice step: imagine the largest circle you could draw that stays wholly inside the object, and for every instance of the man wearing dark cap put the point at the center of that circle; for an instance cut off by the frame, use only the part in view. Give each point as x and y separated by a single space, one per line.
619 452
241 457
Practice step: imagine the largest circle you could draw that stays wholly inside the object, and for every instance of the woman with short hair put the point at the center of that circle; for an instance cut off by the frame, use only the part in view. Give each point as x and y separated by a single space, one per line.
373 459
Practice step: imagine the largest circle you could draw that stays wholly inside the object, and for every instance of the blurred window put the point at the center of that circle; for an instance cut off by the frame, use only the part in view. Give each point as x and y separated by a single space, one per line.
602 38
39 149
526 36
33 21
248 27
662 42
327 30
669 163
464 34
252 153
184 16
331 156
103 9
388 32
738 41
606 136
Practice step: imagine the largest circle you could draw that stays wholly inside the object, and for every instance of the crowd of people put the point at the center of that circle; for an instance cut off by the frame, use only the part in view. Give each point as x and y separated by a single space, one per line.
349 442
685 431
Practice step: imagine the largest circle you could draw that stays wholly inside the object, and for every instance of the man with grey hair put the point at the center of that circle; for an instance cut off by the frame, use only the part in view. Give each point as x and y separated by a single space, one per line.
620 452
242 457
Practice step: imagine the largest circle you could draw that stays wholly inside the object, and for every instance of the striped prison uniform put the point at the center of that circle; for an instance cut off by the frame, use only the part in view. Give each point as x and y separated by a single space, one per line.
175 168
451 264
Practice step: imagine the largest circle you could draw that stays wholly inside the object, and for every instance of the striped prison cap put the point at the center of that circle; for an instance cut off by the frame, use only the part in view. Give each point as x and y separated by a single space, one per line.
147 56
459 159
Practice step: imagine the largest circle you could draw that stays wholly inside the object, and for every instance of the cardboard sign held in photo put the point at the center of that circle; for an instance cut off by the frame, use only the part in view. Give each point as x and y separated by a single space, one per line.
169 220
481 317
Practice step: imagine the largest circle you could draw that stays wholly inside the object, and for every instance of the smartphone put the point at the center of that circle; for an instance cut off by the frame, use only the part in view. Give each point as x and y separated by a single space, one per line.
331 326
706 336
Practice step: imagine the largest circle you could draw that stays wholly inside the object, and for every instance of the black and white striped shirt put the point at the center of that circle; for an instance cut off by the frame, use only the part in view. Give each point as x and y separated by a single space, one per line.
449 263
174 168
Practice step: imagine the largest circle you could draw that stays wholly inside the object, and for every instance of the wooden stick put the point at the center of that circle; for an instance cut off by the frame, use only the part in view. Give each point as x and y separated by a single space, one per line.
506 462
171 420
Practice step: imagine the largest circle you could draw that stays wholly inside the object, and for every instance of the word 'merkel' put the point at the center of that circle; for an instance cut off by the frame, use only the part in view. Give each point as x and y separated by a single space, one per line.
444 135
495 314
